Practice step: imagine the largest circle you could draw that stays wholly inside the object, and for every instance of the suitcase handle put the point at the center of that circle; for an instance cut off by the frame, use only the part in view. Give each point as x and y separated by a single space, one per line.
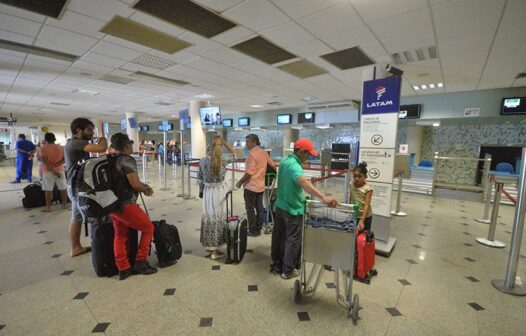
229 197
144 206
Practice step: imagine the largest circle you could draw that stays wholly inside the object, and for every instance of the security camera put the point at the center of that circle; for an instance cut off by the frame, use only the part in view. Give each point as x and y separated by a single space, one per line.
393 70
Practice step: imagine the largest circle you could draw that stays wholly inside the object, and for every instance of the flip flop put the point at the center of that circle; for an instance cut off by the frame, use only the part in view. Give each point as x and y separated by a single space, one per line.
84 250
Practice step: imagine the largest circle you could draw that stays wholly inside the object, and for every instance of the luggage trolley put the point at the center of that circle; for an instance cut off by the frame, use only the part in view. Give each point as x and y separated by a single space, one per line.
328 239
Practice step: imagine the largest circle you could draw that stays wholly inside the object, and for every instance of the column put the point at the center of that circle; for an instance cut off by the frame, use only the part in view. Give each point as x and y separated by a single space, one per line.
198 135
414 141
289 135
133 133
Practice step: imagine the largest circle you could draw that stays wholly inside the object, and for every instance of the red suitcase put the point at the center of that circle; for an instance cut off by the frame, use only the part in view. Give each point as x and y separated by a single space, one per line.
365 254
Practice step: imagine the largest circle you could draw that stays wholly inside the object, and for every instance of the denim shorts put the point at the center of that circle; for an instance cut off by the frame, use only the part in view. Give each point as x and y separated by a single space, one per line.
76 215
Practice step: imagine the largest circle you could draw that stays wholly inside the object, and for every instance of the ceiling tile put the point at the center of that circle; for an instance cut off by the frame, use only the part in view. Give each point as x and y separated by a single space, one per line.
18 25
287 34
303 69
218 5
93 57
378 10
100 9
310 48
117 51
409 41
300 8
15 37
458 12
227 56
263 50
257 15
127 44
466 31
348 58
403 24
234 35
158 24
331 20
14 11
64 41
350 38
78 23
201 45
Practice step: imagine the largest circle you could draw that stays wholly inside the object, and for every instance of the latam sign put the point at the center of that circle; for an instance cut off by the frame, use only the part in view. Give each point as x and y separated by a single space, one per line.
381 95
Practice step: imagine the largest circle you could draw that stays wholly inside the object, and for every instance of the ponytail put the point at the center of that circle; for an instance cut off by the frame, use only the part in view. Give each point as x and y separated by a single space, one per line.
217 155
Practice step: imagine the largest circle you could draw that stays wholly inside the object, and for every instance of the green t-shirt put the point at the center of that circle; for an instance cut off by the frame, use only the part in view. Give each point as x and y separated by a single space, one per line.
290 193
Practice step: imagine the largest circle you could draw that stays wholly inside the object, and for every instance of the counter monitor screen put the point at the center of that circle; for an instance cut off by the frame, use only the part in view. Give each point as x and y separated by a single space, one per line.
513 105
284 119
409 111
145 128
210 116
243 122
227 122
306 118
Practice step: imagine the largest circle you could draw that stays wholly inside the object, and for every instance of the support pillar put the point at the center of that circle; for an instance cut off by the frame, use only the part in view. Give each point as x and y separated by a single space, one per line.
198 134
133 133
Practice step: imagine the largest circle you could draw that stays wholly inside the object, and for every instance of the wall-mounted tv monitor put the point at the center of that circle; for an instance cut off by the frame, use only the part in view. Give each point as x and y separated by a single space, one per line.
133 122
170 127
513 105
228 122
145 128
284 119
409 111
210 116
160 127
243 122
306 118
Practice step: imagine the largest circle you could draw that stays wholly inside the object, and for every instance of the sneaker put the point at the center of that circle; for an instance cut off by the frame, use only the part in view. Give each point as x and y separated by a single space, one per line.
15 181
290 275
216 256
125 274
142 267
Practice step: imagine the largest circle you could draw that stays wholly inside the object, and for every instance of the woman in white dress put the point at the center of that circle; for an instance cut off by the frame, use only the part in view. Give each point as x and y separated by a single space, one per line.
212 170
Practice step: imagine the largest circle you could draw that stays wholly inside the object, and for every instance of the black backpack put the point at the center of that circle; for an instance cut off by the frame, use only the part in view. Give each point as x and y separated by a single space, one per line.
34 196
94 186
167 243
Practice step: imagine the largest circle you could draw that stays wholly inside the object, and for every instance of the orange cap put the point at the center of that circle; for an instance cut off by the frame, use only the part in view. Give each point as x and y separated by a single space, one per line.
307 145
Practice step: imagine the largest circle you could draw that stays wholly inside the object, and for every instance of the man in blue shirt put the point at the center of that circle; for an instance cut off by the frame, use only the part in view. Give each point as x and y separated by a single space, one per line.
24 158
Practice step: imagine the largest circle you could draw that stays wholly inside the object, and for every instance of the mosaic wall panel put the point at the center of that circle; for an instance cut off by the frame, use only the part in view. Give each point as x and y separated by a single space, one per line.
323 138
268 139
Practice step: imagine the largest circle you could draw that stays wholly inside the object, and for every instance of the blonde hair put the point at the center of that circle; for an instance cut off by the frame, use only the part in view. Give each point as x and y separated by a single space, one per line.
217 154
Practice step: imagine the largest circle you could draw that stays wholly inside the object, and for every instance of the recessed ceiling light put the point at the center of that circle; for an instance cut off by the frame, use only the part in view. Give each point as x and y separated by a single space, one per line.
256 105
311 100
440 85
204 96
87 92
238 129
423 86
436 124
431 86
323 126
416 87
298 127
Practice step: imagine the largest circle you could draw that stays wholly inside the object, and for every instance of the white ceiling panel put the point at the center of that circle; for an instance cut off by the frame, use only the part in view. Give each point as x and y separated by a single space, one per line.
378 10
22 13
157 24
116 51
300 8
410 41
467 30
342 17
218 5
92 68
257 15
201 45
96 58
15 37
234 35
64 41
227 56
458 12
100 9
400 25
18 25
310 49
78 23
287 34
349 38
124 43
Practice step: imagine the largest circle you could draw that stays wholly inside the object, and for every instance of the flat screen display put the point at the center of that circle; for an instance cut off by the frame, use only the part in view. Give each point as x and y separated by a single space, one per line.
243 122
513 105
409 111
160 127
227 122
145 128
284 119
133 122
170 127
210 116
306 118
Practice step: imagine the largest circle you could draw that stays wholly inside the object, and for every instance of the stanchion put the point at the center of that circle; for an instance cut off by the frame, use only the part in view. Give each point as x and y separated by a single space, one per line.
189 195
159 158
397 212
174 170
233 179
144 163
165 155
489 187
490 241
509 285
183 162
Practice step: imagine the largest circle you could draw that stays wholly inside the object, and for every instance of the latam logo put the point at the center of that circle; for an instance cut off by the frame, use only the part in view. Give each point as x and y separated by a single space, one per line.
380 90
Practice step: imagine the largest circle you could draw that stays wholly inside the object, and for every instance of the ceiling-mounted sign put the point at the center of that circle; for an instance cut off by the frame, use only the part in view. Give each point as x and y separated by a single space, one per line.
381 95
472 112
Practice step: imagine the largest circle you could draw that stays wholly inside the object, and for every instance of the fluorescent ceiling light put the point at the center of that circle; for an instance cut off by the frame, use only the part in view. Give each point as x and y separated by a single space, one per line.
238 129
311 100
431 86
436 124
440 85
423 86
416 87
37 51
296 127
257 128
86 92
204 96
256 105
323 126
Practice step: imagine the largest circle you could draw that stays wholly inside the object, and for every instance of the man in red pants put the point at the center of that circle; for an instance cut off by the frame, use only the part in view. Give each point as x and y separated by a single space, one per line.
127 186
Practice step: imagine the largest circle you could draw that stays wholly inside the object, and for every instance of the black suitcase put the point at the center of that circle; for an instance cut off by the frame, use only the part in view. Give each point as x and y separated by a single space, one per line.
34 196
167 243
236 234
102 255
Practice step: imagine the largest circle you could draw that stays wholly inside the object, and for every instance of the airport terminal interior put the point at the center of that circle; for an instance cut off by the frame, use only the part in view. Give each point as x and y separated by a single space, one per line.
431 94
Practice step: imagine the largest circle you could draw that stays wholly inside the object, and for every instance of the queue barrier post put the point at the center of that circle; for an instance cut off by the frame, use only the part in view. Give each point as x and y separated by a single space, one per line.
397 211
490 241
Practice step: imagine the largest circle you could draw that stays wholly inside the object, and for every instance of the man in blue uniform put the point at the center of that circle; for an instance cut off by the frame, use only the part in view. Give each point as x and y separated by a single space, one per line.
24 158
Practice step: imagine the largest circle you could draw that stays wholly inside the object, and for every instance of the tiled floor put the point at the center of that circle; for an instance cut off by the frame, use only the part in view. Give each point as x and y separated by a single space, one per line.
436 282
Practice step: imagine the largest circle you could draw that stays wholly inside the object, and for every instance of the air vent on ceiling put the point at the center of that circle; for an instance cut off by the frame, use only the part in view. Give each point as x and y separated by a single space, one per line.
415 55
157 79
116 79
348 58
153 61
334 105
138 33
263 50
51 8
303 69
37 51
186 14
275 103
520 75
60 104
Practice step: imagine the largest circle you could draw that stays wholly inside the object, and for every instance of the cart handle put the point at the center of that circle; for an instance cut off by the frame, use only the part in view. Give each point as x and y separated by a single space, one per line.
344 206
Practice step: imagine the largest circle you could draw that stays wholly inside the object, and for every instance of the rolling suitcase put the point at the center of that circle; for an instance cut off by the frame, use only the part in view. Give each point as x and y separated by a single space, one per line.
102 255
365 256
236 234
